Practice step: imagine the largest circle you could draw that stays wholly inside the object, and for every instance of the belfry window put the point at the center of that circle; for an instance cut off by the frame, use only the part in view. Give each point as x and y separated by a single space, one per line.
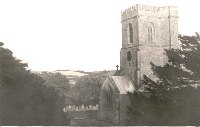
150 34
130 33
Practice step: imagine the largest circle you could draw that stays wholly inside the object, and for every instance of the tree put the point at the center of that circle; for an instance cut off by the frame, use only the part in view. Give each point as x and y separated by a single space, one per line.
56 81
24 100
87 89
173 99
183 64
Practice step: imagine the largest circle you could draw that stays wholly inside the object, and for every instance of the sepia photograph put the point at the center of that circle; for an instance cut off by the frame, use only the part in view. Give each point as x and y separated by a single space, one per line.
99 63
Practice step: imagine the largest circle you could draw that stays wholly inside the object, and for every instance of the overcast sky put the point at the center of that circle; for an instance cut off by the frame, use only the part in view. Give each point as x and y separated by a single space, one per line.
76 34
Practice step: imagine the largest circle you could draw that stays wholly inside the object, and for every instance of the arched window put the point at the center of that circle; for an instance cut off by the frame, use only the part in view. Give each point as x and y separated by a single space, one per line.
150 33
130 33
109 98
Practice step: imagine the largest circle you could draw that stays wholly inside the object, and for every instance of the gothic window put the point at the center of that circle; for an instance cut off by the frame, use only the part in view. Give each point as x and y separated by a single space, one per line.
109 98
151 33
130 33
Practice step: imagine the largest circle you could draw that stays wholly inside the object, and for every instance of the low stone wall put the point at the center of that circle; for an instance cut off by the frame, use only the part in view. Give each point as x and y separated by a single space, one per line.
70 108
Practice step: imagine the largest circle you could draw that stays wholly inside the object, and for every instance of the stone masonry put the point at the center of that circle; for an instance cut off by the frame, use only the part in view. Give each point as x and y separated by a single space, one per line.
163 21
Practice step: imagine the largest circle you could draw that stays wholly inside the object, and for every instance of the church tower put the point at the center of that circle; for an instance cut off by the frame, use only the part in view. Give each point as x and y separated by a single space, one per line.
146 32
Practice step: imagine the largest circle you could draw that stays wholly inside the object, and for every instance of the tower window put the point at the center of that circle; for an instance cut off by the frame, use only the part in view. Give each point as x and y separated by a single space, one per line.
130 33
150 34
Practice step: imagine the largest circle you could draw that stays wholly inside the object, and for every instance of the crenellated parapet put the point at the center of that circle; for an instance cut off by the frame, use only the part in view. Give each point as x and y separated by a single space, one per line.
139 10
137 7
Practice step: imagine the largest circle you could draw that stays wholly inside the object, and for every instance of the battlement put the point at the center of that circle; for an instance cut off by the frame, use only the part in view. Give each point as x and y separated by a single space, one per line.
139 9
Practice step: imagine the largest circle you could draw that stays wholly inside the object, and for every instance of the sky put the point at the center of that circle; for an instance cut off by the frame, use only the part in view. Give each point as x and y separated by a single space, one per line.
76 34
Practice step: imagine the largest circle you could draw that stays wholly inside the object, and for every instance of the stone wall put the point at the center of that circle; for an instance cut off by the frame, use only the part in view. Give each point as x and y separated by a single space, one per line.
128 66
124 102
70 108
151 54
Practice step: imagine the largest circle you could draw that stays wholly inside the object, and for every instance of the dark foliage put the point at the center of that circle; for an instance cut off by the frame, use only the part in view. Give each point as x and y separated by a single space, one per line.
87 89
24 100
57 81
174 98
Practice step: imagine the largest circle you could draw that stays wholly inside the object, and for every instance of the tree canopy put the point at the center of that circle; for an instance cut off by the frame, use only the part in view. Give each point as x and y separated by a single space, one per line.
87 89
24 100
173 99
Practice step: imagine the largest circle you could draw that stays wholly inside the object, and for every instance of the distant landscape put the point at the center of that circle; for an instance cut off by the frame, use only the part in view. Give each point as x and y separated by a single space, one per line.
76 87
70 74
41 97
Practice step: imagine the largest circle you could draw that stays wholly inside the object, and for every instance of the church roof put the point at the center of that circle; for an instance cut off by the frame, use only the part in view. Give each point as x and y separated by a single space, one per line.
123 83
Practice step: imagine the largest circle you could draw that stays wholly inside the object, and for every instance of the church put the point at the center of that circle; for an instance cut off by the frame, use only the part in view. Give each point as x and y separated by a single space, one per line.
146 32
